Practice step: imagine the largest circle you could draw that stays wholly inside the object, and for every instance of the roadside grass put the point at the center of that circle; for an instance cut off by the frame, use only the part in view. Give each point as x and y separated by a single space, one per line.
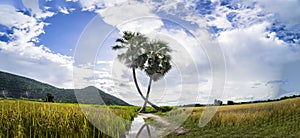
152 110
21 118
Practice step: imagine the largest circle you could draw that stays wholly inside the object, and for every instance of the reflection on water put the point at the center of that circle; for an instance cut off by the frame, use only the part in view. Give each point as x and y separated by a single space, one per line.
139 129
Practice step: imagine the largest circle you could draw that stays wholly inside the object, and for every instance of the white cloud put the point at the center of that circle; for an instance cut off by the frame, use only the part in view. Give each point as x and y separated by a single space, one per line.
92 5
133 17
37 63
63 10
226 17
287 11
10 18
27 28
250 57
33 5
22 56
144 25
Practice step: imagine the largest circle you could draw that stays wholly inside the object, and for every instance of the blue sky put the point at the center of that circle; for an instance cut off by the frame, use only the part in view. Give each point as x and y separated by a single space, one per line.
245 50
64 31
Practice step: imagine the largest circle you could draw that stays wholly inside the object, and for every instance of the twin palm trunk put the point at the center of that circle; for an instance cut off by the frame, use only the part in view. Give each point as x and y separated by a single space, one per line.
147 96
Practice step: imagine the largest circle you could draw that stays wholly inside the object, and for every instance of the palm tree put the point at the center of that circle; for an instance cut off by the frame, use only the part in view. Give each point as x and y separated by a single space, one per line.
152 57
156 59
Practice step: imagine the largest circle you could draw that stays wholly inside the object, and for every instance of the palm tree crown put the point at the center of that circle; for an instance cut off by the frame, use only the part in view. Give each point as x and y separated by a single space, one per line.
152 57
157 59
134 43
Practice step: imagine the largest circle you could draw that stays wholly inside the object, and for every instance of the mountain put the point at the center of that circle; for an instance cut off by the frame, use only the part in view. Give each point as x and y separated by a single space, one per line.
15 86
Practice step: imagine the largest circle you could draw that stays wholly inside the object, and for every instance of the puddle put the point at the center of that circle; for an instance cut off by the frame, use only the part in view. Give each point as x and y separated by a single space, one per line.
140 129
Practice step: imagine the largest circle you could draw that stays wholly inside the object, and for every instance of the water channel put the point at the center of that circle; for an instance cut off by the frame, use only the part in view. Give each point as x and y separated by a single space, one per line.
140 129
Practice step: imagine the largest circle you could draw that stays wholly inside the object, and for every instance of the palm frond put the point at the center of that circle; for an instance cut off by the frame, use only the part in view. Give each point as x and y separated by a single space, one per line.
120 40
128 35
117 47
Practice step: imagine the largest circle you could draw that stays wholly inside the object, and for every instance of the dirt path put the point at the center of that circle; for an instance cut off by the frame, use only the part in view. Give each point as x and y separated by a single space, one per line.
156 118
166 124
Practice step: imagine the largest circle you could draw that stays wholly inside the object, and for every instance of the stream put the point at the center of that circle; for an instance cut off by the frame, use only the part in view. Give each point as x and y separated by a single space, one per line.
140 129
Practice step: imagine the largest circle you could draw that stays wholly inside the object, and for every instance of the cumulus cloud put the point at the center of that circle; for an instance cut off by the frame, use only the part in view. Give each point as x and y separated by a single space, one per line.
92 5
135 16
235 15
23 57
286 11
10 18
251 57
33 6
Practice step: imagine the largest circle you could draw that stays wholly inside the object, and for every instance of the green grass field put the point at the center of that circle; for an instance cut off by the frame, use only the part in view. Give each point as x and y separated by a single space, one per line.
37 119
273 119
21 118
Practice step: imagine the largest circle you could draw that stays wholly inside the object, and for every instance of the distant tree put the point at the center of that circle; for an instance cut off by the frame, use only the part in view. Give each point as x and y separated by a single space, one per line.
230 102
49 97
218 102
152 57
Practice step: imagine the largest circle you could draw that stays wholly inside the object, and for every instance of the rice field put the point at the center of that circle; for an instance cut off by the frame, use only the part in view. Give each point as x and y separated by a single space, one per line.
21 118
273 119
37 119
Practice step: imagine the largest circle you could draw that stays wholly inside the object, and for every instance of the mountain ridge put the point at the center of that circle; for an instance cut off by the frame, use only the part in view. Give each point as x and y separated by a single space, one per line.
17 86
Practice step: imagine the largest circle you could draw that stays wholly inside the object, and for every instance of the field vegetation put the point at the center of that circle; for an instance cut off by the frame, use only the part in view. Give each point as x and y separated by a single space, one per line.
272 119
21 118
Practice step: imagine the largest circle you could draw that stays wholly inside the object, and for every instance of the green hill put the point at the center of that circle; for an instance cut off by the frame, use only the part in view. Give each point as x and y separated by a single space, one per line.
14 86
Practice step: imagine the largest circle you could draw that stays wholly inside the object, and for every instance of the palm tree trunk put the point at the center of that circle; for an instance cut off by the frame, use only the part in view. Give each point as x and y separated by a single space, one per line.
142 128
147 97
141 94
